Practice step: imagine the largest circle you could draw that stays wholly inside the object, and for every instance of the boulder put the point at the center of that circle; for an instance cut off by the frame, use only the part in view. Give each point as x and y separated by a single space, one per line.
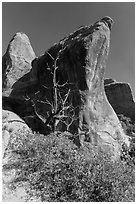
121 98
17 61
11 124
14 137
64 90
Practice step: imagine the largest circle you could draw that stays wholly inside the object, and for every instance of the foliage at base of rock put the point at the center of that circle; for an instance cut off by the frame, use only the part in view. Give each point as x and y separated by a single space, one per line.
129 129
53 168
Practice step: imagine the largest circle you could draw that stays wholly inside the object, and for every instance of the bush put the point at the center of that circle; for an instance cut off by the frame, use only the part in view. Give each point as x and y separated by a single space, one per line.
129 129
58 171
127 125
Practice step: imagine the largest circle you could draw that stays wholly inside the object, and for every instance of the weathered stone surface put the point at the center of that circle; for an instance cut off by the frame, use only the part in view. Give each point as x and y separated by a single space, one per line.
121 98
12 123
17 60
14 131
65 89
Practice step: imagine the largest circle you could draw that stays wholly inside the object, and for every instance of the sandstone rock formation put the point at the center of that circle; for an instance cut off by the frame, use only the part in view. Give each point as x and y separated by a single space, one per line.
17 60
61 90
64 90
14 133
120 97
11 124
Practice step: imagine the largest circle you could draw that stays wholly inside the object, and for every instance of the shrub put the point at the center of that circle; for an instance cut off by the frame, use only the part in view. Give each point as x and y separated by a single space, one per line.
129 129
127 125
57 170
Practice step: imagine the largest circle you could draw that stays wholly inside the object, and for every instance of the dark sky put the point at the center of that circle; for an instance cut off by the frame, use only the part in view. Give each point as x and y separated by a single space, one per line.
47 23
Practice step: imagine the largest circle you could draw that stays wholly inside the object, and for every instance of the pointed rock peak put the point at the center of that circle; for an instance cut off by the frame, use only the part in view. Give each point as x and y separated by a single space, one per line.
19 35
21 43
17 60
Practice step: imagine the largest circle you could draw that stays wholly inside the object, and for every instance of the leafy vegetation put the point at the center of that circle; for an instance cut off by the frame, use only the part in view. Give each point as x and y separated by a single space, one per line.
57 170
129 129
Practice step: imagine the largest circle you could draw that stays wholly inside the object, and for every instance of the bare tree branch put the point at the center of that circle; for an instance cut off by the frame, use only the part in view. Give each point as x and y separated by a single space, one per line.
61 108
50 56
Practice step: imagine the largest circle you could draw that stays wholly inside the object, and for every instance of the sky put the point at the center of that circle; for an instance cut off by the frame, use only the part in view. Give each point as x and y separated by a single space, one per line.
48 22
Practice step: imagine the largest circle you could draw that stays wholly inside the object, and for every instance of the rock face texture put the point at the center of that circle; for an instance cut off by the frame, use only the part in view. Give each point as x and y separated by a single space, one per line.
12 126
14 131
121 98
64 90
12 123
17 60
